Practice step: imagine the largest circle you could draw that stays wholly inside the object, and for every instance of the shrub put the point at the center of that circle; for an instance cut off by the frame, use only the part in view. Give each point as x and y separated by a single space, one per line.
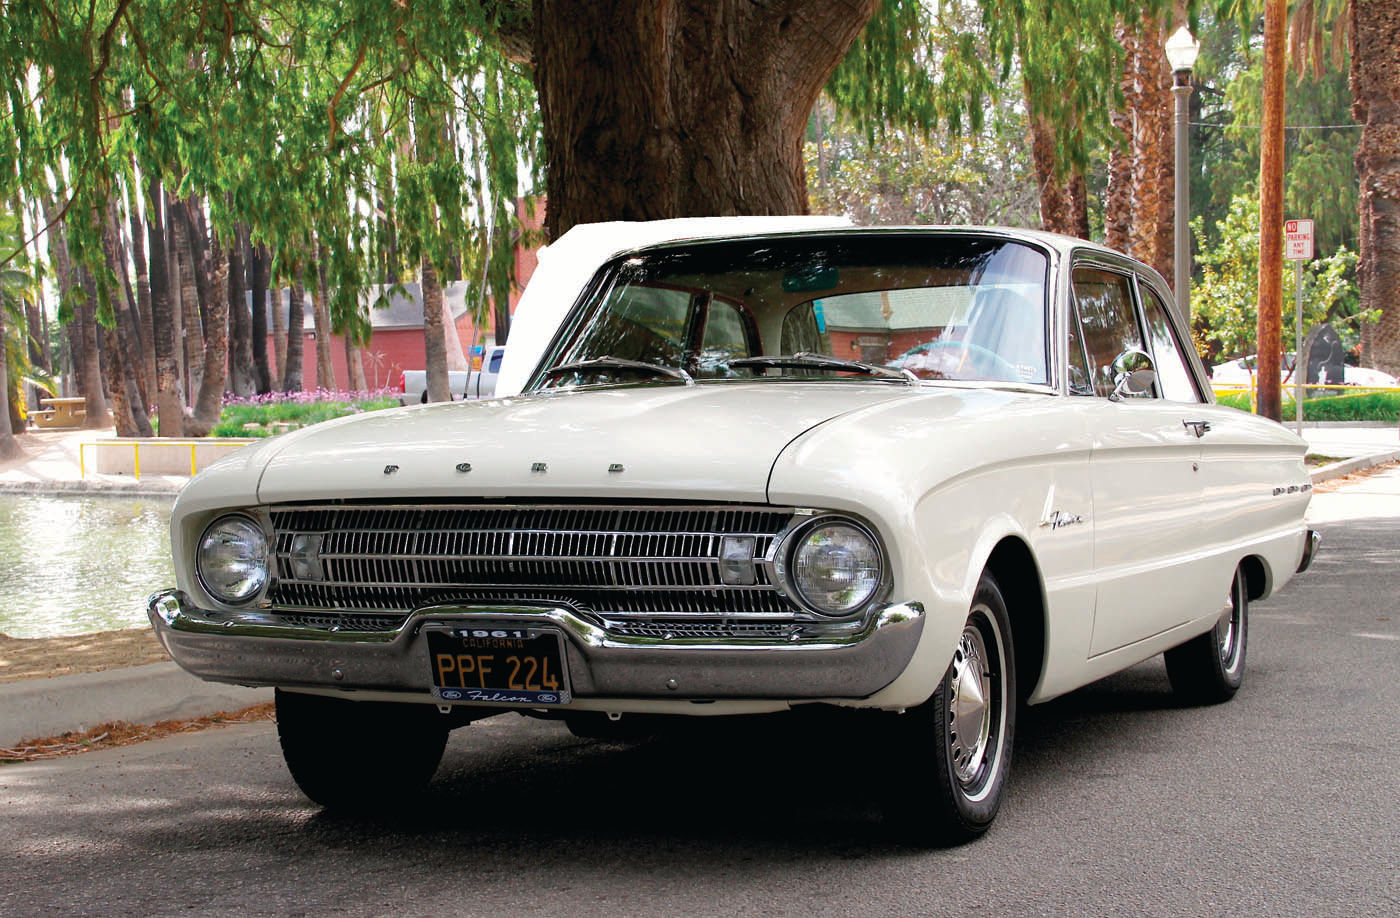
1361 406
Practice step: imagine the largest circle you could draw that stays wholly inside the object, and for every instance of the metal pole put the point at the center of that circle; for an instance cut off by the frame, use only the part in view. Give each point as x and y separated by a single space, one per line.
1300 366
1181 281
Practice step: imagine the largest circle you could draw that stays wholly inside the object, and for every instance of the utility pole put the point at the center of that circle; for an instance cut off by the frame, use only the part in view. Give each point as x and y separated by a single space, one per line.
1270 330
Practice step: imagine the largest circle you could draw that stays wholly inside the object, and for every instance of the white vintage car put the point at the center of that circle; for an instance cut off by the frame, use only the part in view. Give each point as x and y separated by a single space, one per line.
934 473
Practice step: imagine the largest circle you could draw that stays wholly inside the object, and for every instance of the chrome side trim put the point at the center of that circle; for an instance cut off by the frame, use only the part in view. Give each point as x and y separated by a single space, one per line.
254 648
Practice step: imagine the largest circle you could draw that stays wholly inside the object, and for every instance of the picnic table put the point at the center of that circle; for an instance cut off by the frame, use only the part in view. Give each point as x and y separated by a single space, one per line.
61 412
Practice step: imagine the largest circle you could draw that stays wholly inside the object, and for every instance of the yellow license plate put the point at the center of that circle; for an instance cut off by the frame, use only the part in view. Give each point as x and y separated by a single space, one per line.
499 665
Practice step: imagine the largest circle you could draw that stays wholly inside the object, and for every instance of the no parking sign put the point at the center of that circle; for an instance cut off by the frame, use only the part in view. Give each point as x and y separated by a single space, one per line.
1298 240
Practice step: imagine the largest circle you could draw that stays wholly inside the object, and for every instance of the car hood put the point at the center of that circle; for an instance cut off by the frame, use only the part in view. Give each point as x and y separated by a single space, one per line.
704 442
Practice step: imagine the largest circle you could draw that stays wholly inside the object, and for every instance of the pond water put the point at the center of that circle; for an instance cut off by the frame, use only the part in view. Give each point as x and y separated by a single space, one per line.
74 565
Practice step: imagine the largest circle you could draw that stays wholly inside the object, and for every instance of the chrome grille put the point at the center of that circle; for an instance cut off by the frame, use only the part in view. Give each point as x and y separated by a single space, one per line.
651 563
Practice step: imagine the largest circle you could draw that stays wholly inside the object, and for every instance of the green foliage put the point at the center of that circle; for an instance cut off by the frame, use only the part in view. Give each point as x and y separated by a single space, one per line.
1224 301
371 130
274 416
1363 406
1320 179
908 178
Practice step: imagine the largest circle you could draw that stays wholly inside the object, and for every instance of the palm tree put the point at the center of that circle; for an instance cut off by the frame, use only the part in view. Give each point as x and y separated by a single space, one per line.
1375 85
14 282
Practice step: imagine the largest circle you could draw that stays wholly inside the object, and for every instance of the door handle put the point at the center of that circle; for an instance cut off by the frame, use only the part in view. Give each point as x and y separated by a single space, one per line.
1198 428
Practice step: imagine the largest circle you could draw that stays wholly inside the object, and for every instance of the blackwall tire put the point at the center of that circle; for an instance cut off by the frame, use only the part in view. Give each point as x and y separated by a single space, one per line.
957 746
1209 669
359 755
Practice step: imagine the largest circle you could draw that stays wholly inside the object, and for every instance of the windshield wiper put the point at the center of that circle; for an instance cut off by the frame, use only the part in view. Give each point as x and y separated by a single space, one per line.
605 363
805 359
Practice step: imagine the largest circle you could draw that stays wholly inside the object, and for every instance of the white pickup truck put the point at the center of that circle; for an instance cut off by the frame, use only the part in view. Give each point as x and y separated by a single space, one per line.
413 388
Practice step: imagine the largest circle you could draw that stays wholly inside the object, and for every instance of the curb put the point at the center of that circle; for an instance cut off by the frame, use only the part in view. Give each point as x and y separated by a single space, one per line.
59 487
36 708
1347 466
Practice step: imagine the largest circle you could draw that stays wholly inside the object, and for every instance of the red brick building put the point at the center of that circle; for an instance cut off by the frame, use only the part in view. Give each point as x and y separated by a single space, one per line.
396 341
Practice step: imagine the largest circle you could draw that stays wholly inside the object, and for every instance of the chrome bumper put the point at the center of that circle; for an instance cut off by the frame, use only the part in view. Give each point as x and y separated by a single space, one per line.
1311 540
254 648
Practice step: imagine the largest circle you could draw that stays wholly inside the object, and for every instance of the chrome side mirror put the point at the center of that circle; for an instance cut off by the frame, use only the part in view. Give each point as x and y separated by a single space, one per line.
1133 375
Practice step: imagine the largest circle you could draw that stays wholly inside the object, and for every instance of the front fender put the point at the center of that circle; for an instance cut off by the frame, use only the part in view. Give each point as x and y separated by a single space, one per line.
943 497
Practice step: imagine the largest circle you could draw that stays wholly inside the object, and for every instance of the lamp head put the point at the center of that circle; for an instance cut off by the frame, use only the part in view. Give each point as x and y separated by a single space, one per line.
1182 50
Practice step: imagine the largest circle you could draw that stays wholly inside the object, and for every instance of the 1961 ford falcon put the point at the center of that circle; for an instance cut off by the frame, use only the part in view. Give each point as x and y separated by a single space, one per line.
759 464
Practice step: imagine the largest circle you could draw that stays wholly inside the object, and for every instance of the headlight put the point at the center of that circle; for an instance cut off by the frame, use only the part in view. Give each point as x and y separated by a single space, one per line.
836 566
232 559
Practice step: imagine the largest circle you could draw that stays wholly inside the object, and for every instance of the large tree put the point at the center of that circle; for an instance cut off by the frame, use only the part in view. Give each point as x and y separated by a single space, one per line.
654 110
1375 83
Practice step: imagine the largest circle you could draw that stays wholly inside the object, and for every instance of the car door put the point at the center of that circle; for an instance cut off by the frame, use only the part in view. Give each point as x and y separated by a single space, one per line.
1144 472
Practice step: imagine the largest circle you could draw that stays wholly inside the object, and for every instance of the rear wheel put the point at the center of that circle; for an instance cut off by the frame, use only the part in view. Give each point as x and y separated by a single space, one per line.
1208 669
359 755
960 740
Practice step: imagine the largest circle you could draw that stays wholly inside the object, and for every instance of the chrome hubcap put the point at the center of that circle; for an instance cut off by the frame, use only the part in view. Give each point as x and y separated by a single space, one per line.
970 706
1230 627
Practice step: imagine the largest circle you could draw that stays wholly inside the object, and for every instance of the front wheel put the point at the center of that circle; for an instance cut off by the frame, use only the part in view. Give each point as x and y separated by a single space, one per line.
359 755
959 741
1208 669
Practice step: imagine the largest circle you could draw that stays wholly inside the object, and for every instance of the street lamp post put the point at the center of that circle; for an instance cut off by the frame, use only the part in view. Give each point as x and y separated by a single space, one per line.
1182 49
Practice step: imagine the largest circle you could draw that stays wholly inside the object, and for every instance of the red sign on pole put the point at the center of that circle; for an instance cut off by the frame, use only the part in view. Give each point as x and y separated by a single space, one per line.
1298 240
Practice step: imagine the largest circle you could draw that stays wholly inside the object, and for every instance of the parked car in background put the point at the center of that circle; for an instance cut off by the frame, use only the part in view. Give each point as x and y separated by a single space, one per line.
413 386
715 497
1242 371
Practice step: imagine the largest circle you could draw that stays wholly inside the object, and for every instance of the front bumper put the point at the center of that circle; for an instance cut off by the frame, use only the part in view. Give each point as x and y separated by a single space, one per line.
255 648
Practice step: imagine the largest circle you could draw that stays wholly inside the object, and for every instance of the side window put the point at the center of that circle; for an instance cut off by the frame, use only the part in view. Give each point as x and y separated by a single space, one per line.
1173 375
1109 324
1079 383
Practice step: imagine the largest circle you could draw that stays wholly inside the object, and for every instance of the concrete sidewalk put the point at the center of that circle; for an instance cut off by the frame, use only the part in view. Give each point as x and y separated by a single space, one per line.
144 694
62 462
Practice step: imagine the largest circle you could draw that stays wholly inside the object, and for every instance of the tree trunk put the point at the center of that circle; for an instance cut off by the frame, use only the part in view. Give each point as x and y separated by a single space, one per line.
210 402
723 89
355 366
83 363
1118 198
242 375
1054 213
123 342
187 252
9 446
1154 159
1375 88
126 412
143 290
296 335
170 399
260 263
279 333
325 370
434 347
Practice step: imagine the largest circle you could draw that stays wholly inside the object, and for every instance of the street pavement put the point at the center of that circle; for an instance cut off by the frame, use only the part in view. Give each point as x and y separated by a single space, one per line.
1121 802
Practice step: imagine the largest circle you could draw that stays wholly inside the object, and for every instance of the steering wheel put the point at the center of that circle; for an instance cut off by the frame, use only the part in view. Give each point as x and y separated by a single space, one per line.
984 362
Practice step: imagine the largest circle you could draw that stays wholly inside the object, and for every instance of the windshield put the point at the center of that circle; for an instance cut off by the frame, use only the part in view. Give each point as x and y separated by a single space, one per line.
941 306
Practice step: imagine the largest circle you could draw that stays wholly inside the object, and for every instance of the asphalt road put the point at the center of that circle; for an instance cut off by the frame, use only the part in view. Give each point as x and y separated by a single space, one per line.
1285 801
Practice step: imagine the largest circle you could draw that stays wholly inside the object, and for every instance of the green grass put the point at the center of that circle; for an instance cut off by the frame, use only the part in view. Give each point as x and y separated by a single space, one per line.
1363 406
275 414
